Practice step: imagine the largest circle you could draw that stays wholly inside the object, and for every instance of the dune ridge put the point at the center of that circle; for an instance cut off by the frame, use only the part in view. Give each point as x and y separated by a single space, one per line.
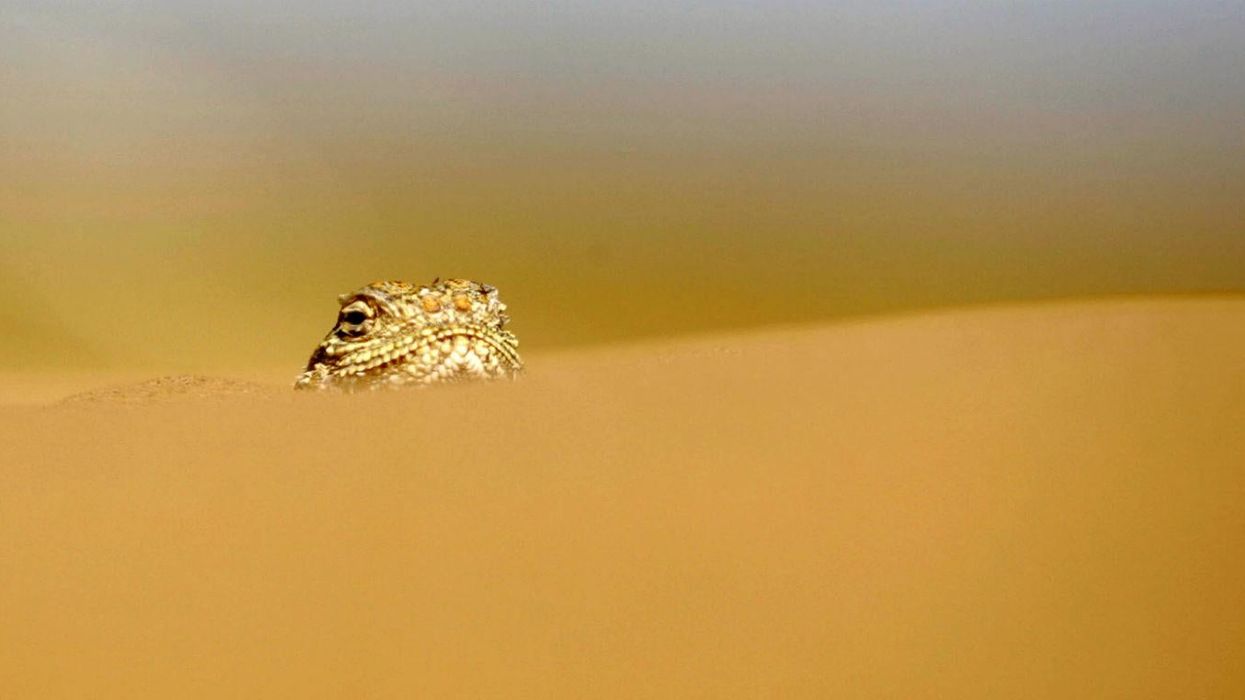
1039 501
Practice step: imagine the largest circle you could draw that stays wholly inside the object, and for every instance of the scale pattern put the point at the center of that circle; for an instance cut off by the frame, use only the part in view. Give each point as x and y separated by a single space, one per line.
394 334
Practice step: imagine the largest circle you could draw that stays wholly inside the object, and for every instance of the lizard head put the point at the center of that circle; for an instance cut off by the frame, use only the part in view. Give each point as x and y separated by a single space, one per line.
397 332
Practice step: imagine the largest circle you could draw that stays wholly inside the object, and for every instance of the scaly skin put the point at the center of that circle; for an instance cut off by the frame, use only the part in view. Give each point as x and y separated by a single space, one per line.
394 334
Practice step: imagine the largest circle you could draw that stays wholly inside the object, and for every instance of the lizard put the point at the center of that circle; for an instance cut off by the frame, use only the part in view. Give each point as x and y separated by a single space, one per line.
393 334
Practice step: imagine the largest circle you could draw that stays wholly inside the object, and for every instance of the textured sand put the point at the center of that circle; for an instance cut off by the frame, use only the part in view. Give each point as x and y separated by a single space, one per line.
1041 501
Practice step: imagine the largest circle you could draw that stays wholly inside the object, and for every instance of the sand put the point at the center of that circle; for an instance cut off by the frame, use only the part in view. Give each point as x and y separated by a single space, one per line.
1041 501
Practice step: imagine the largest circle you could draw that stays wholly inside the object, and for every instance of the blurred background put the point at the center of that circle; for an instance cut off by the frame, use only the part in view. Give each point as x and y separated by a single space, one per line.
188 185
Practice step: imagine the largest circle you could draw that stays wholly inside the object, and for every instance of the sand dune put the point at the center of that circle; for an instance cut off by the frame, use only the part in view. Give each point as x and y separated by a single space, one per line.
1043 501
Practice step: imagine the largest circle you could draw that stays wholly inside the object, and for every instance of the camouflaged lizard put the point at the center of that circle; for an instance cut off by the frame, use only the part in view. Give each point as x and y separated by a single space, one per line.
394 334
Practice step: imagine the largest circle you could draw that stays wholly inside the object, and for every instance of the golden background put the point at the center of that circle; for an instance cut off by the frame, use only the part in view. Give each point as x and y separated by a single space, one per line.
189 186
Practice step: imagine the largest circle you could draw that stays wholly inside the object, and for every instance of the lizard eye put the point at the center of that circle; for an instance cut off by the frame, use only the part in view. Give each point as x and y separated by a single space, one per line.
354 318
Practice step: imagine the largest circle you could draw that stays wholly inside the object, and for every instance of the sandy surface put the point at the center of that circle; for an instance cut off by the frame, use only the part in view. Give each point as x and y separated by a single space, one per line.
1012 502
